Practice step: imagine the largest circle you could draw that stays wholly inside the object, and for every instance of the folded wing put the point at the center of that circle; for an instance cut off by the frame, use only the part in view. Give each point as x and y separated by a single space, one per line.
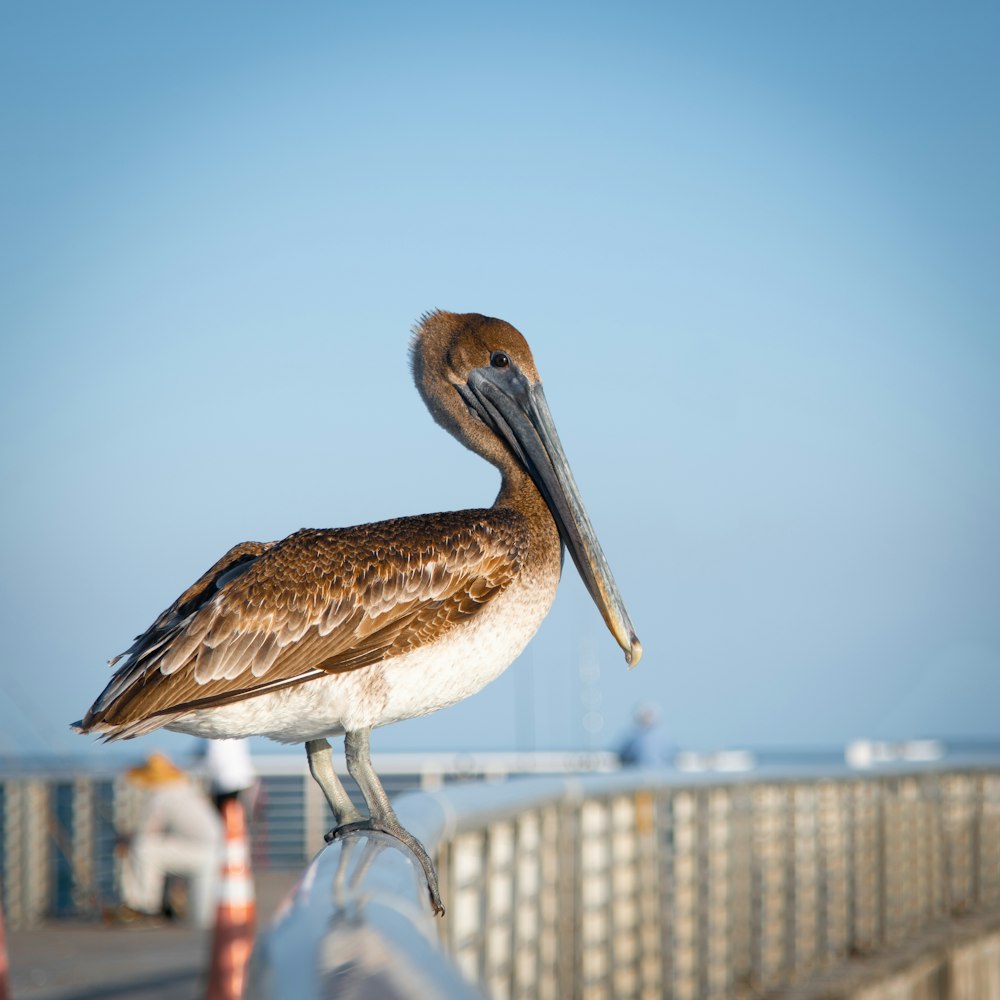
272 615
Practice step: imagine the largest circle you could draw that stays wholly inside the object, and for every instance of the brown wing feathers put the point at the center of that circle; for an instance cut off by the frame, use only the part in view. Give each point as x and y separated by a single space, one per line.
318 602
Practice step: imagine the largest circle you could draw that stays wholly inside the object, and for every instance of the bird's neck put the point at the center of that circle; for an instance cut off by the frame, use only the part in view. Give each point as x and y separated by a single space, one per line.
545 550
518 490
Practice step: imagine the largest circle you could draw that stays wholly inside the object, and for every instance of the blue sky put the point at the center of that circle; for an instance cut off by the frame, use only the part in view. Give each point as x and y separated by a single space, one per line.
754 248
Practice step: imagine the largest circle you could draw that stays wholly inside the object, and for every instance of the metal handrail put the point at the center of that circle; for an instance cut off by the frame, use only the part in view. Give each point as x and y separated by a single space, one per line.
60 818
641 884
358 924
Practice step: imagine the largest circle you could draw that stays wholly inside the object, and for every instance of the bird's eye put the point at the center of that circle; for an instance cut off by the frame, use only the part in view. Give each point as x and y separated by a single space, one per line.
499 360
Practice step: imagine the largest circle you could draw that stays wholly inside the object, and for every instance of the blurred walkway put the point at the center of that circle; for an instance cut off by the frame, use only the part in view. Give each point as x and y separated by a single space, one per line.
74 960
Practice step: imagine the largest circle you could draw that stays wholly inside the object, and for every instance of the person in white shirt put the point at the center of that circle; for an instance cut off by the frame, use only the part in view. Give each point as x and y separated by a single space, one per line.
178 833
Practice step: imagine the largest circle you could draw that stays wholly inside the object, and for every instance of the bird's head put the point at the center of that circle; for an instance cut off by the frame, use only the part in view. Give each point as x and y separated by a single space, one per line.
478 378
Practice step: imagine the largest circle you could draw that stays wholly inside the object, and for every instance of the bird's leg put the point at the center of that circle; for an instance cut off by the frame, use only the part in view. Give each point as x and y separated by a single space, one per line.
321 768
383 818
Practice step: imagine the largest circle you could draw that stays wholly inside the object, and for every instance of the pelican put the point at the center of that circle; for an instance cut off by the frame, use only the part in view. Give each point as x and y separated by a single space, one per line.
333 632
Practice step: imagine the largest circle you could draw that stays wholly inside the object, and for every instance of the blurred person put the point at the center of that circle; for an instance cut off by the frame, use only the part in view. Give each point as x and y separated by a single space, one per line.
646 744
178 833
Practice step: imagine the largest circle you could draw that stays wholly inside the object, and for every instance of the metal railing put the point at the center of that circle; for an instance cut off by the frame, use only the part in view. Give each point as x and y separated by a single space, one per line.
638 884
647 884
59 822
57 844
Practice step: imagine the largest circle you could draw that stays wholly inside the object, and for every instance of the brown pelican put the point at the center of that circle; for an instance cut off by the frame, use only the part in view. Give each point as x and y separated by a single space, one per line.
336 631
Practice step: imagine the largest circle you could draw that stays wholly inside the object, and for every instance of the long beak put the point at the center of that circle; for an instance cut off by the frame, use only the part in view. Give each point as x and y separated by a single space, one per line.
517 409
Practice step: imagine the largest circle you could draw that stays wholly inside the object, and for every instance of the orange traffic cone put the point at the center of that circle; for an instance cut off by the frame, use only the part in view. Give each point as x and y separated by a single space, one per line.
4 982
232 941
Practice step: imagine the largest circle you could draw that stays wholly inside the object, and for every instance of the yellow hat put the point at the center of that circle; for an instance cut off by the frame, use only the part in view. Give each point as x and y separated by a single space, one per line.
158 770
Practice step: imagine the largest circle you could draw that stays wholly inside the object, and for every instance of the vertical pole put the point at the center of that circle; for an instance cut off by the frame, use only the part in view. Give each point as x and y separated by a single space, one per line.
549 904
684 890
717 923
35 850
742 907
650 915
666 855
806 874
569 901
83 848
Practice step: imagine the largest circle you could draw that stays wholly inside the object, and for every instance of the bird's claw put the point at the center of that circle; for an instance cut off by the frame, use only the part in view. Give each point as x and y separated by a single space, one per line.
397 832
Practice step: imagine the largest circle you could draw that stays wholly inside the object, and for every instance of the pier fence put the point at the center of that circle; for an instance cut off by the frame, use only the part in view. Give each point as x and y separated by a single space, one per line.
644 884
648 885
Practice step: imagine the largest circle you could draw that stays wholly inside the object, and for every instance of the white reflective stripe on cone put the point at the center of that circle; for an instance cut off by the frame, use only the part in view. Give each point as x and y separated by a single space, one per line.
236 893
236 853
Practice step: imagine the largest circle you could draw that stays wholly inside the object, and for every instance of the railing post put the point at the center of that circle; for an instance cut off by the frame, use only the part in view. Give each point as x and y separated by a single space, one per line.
989 838
976 837
82 838
771 868
684 930
623 879
832 873
35 851
666 841
498 922
569 899
741 897
650 916
526 903
717 965
594 878
957 837
805 875
550 916
892 850
13 864
936 859
866 882
463 876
